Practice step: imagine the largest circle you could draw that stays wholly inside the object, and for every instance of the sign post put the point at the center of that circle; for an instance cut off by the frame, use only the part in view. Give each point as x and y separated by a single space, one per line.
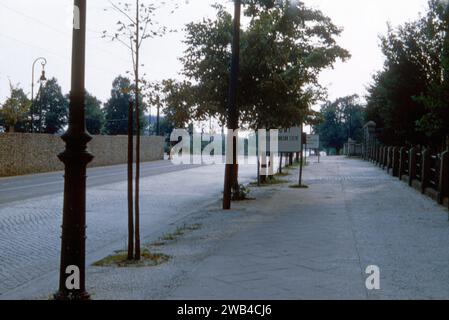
290 140
313 143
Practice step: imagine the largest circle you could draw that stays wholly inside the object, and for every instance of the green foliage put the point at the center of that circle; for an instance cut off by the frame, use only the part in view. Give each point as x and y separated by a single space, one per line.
120 260
242 194
340 120
174 100
282 51
15 109
166 126
53 106
116 108
409 98
95 118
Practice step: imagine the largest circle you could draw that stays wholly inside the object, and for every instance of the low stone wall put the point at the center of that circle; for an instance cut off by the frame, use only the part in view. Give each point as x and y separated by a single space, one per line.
24 153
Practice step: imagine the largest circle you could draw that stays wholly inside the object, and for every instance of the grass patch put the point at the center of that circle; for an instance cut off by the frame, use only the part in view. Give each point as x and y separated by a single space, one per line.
270 182
297 186
284 173
120 260
294 165
242 194
181 231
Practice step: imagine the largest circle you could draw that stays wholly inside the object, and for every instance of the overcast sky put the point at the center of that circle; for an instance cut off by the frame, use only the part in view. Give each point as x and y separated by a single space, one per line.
30 29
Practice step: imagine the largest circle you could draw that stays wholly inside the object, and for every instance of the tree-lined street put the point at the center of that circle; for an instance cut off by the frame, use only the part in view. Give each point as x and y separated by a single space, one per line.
30 228
313 245
32 186
288 227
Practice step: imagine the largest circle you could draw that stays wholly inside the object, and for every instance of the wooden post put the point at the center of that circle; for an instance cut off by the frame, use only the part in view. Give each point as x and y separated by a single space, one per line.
373 160
425 166
379 156
412 166
379 159
390 159
396 161
387 159
444 177
382 157
402 155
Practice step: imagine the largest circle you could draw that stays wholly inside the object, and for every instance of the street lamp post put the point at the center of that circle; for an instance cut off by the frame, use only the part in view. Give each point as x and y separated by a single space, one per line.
75 158
41 79
233 117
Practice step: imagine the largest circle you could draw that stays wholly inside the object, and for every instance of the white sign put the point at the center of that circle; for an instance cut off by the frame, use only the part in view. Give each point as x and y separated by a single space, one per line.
313 141
290 140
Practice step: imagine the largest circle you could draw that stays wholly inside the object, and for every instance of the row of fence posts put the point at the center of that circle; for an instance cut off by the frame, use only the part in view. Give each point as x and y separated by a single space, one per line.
418 167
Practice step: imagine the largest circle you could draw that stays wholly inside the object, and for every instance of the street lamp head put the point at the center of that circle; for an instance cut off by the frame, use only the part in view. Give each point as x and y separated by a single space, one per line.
43 77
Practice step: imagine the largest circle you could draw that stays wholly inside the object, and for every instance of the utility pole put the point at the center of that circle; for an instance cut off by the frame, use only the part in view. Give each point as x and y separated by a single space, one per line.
233 118
75 158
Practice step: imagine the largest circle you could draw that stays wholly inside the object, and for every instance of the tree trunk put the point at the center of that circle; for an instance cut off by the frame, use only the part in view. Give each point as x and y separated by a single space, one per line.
280 163
130 183
271 165
137 204
158 124
301 160
231 175
235 172
263 170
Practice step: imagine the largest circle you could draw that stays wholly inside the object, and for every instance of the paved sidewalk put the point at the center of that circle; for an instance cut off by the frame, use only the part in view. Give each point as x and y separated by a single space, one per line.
305 244
297 244
30 229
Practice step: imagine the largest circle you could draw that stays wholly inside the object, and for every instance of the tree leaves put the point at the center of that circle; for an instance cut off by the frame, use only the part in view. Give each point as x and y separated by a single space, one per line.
16 108
283 49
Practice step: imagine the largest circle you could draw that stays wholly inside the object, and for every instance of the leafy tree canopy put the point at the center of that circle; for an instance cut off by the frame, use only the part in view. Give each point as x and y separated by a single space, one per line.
341 120
95 117
409 98
50 108
15 109
116 108
283 49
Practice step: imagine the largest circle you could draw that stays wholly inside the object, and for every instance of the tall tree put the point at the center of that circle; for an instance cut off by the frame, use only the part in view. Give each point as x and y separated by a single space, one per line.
95 118
409 98
341 120
435 122
116 108
283 49
136 26
51 107
15 109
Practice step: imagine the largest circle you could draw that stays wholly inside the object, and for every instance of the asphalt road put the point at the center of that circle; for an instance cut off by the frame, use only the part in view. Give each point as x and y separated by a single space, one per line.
33 186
